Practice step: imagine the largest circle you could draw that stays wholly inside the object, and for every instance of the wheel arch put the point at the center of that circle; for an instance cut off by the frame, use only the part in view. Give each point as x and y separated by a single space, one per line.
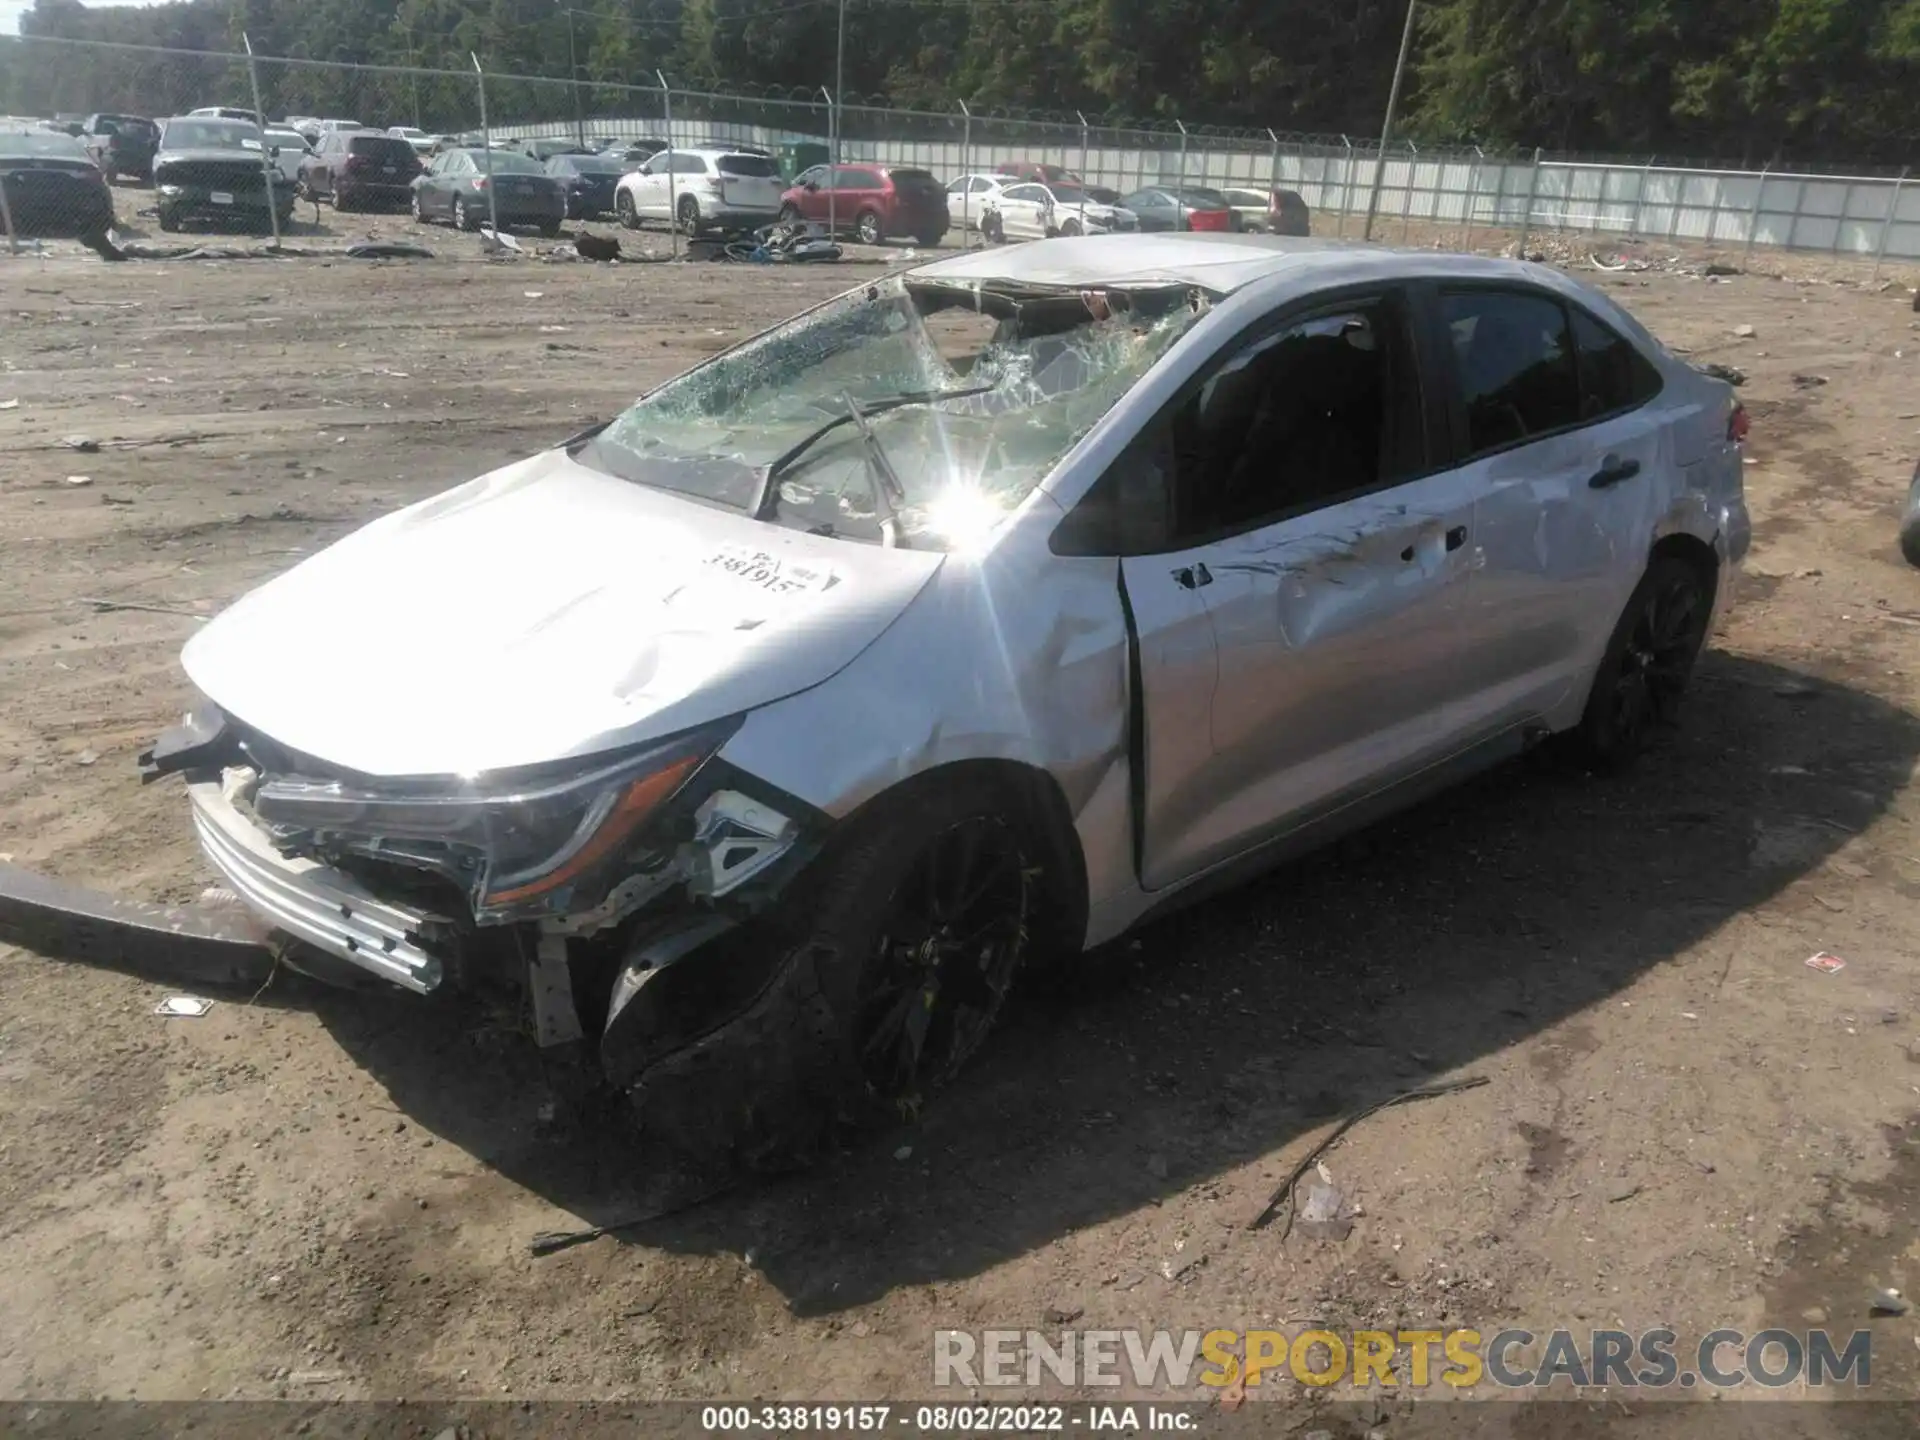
1696 552
1034 798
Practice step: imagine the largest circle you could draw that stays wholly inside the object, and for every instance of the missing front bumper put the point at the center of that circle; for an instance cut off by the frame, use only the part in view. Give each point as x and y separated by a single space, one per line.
312 902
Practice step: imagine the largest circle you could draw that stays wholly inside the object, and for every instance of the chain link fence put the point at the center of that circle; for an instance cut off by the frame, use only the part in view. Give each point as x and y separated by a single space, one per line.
49 85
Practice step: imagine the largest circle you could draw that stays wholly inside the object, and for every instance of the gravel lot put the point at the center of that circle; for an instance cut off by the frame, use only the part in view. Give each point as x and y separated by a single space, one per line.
1685 1124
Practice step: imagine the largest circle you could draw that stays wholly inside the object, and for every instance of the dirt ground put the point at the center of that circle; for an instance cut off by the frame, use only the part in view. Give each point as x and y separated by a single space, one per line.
319 1194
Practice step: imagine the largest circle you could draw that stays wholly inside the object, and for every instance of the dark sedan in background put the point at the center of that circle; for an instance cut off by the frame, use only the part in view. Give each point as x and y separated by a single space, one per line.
51 185
208 171
1180 207
589 180
456 184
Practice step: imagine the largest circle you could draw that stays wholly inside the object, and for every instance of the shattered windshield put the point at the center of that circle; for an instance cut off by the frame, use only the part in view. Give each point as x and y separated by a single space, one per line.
969 394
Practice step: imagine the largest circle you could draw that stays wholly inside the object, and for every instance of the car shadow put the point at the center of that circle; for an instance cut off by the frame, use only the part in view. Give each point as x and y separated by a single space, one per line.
1421 947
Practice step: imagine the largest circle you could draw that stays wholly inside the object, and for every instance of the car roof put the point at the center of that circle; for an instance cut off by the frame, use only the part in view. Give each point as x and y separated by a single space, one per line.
1219 263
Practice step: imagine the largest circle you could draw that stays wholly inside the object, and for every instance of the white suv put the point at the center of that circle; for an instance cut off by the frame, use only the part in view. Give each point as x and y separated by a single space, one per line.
700 190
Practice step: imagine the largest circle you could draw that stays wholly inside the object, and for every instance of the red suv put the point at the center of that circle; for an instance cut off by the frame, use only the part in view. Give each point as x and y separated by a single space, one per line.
873 201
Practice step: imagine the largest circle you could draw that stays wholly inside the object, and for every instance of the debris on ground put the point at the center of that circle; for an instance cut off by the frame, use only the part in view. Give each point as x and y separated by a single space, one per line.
188 1005
1744 332
1806 381
9 404
1284 1195
1890 1302
1732 374
79 479
85 444
388 250
1826 964
1323 1212
596 247
87 757
104 606
498 242
1715 268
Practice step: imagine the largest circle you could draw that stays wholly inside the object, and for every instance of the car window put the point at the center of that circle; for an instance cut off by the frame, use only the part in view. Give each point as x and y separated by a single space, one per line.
852 177
1614 376
1025 192
508 162
1325 407
1515 365
749 167
383 148
811 176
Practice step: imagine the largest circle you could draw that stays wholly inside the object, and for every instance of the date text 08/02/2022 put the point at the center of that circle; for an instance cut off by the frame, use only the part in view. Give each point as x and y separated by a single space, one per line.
947 1419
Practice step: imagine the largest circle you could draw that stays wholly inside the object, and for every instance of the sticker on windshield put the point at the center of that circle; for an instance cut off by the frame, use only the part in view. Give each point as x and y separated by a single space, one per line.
770 572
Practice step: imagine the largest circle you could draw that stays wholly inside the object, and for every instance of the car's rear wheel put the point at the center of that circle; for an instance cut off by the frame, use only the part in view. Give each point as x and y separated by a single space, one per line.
992 227
868 229
464 218
623 208
550 228
169 219
902 953
1648 661
687 215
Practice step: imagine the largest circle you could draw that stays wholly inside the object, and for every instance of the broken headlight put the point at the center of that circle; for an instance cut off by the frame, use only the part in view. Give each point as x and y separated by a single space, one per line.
523 843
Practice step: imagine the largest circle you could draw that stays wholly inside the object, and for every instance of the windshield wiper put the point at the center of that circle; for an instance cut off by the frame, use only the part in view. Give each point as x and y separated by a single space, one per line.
769 487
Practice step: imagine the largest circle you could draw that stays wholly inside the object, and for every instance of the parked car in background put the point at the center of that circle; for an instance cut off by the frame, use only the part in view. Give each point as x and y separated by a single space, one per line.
313 129
226 112
734 147
768 733
1171 207
970 197
52 185
1012 170
287 148
419 139
121 145
589 180
1271 212
1104 194
700 190
360 170
1032 211
544 147
870 201
632 154
208 170
456 185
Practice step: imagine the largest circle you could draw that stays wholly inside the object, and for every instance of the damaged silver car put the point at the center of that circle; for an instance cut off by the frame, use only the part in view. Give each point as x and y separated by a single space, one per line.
763 736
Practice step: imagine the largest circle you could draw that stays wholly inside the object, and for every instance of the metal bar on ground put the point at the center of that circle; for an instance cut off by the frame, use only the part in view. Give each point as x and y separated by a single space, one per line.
269 172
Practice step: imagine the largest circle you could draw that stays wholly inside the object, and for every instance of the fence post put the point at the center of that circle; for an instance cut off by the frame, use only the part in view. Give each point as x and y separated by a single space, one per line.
1793 225
1753 215
1713 215
1533 190
1180 190
1083 147
1639 197
486 143
833 165
1273 166
1473 194
269 172
966 168
1886 225
1346 189
1840 223
1406 196
6 218
673 187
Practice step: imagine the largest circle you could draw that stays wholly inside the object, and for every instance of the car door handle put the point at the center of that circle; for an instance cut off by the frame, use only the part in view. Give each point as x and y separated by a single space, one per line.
1193 577
1612 471
1456 537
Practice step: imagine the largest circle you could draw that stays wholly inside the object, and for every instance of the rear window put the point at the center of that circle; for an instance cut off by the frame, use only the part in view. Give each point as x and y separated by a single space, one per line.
754 167
595 164
507 162
47 144
380 147
912 177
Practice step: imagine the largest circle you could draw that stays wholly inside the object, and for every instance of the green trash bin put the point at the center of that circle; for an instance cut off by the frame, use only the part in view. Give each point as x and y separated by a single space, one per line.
798 155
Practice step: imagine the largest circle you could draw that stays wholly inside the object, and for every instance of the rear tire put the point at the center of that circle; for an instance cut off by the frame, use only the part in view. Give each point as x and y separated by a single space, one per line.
1648 661
550 228
992 227
899 955
687 216
463 218
868 228
169 219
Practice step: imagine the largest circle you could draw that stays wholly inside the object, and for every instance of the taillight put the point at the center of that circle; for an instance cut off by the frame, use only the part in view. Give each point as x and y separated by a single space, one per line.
479 182
1738 424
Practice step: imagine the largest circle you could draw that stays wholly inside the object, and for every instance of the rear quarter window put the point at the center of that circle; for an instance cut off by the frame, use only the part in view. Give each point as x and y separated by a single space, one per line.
749 167
1614 375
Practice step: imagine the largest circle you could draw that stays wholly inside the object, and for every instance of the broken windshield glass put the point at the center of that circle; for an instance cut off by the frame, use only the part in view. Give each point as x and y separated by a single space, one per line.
1004 382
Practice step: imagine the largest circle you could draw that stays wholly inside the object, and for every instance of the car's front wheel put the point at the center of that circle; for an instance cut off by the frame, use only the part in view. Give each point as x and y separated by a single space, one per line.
413 204
1648 661
623 208
899 955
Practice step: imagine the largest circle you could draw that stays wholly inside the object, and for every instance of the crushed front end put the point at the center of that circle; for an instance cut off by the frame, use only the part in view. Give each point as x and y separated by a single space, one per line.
616 892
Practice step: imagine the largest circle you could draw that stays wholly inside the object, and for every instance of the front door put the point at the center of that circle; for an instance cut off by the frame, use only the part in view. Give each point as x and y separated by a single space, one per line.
1331 562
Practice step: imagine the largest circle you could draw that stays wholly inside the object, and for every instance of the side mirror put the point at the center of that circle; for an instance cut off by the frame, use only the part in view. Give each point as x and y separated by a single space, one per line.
273 153
811 185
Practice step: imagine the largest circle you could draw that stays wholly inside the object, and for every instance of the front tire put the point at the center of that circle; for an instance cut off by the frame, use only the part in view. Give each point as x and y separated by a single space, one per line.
623 208
1648 661
900 952
169 219
413 204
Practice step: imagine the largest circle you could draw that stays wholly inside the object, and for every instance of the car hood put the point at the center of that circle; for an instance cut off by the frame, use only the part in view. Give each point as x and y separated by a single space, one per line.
541 612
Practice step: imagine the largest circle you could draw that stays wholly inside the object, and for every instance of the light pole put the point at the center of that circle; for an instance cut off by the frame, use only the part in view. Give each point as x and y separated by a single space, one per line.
839 94
573 78
833 165
1386 129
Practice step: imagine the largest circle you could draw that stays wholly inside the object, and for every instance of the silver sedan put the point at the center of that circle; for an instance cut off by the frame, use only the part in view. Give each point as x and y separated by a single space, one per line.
761 737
